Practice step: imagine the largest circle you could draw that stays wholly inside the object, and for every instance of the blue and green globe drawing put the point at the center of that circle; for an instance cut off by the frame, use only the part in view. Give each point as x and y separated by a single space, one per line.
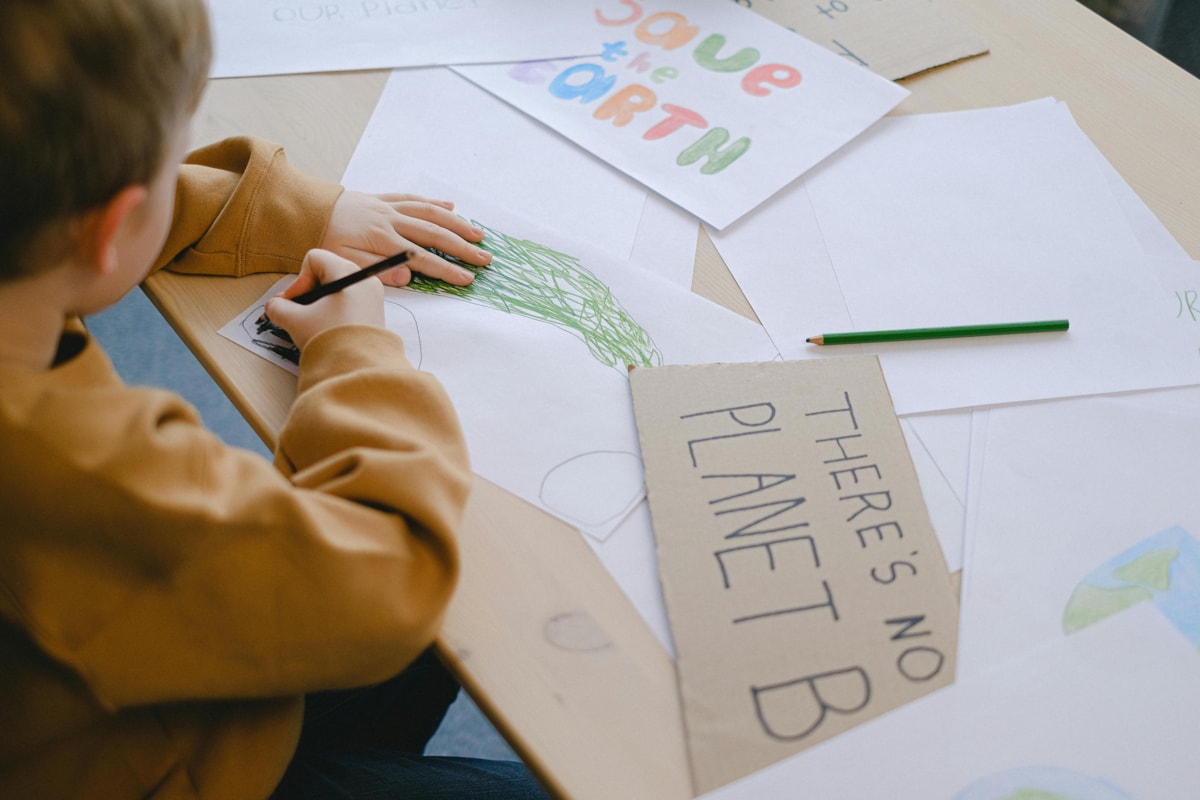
1163 569
1041 783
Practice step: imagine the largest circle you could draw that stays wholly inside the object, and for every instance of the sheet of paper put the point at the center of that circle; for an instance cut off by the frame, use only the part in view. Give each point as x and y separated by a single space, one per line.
534 356
791 531
892 38
1180 278
629 556
276 37
946 509
433 122
703 101
1106 715
962 218
944 436
1065 488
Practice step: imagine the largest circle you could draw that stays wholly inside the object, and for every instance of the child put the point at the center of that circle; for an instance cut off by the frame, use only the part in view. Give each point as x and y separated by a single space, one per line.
168 602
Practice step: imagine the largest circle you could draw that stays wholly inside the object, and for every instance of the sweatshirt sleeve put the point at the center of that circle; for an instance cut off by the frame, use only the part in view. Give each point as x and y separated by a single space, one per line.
241 208
187 569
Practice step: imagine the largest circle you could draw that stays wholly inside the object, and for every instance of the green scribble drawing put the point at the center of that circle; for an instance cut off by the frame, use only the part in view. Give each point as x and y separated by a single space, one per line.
534 281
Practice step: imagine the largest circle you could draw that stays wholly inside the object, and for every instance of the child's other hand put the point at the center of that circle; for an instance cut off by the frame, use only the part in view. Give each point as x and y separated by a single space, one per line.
358 304
367 227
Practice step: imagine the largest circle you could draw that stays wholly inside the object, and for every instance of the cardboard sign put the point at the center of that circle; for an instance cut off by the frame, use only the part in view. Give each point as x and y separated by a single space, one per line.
892 38
805 587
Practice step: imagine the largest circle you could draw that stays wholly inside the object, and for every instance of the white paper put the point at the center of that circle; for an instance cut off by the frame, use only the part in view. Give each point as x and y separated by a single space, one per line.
1180 278
997 215
275 37
945 508
433 122
674 73
630 555
1108 715
1064 488
545 407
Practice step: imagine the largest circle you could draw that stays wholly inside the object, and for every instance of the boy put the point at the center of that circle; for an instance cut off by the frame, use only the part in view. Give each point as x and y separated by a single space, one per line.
167 602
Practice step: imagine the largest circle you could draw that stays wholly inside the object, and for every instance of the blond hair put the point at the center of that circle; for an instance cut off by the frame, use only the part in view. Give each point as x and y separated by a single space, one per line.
90 93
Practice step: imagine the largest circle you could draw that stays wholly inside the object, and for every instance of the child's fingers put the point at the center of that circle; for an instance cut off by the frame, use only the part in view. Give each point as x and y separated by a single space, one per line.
434 266
325 266
396 197
319 267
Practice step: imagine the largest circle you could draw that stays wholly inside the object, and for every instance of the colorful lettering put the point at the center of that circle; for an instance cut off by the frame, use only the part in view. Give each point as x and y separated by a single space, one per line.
709 147
677 117
597 85
706 52
625 104
679 34
756 80
634 15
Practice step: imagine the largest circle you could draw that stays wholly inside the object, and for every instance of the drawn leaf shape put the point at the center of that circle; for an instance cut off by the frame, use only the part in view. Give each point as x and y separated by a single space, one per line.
1089 604
1152 570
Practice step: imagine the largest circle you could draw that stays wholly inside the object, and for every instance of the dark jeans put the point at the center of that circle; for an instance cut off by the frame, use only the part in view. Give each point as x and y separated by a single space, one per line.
367 744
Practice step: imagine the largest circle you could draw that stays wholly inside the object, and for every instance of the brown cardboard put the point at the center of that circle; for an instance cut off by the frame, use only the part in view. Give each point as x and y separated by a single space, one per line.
892 38
805 587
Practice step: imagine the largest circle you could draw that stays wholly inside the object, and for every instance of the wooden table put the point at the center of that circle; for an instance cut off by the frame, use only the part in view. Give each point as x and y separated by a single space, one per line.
541 636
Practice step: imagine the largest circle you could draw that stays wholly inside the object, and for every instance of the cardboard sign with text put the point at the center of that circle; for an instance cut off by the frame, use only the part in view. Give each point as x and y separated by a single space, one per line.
805 587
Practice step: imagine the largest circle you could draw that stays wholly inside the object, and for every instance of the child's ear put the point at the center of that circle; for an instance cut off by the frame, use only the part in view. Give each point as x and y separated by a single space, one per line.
100 228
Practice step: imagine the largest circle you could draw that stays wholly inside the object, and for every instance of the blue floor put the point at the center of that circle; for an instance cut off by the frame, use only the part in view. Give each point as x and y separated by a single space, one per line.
145 351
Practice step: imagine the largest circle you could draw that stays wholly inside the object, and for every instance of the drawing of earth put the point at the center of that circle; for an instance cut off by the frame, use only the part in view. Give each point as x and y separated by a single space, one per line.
1163 569
1041 783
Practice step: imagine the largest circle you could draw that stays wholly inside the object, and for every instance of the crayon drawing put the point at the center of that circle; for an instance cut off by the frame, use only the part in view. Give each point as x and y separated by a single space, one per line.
1041 783
702 101
1163 569
274 343
534 355
540 283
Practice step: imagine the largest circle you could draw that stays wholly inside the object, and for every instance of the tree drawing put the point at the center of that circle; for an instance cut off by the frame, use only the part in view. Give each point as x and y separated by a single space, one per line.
534 281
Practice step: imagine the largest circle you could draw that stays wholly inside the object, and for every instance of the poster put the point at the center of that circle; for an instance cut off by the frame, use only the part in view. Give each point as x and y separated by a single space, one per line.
711 105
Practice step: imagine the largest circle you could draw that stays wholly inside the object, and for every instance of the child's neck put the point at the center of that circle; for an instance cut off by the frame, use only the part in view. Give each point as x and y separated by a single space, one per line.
32 315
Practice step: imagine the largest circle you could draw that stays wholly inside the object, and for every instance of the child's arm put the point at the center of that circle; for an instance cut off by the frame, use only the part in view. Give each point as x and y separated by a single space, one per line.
241 208
185 569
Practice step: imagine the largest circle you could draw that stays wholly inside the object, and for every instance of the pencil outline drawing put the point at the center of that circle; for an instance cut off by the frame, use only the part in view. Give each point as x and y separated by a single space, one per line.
605 502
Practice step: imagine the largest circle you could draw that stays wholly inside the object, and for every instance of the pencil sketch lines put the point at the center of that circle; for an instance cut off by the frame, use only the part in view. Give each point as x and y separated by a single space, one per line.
537 282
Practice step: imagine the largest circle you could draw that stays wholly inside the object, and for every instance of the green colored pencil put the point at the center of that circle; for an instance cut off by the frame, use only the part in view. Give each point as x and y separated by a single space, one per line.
861 337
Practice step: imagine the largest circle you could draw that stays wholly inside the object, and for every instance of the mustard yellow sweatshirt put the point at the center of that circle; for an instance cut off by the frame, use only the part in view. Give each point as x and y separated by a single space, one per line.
167 600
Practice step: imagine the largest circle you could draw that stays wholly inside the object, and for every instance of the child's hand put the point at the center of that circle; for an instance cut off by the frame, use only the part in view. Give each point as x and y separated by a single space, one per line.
358 304
367 227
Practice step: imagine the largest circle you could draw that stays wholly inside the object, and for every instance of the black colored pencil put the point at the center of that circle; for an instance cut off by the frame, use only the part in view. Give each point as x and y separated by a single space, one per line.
325 289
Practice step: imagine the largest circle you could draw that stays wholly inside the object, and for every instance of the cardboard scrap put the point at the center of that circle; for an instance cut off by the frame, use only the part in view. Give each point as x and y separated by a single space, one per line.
892 38
805 587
